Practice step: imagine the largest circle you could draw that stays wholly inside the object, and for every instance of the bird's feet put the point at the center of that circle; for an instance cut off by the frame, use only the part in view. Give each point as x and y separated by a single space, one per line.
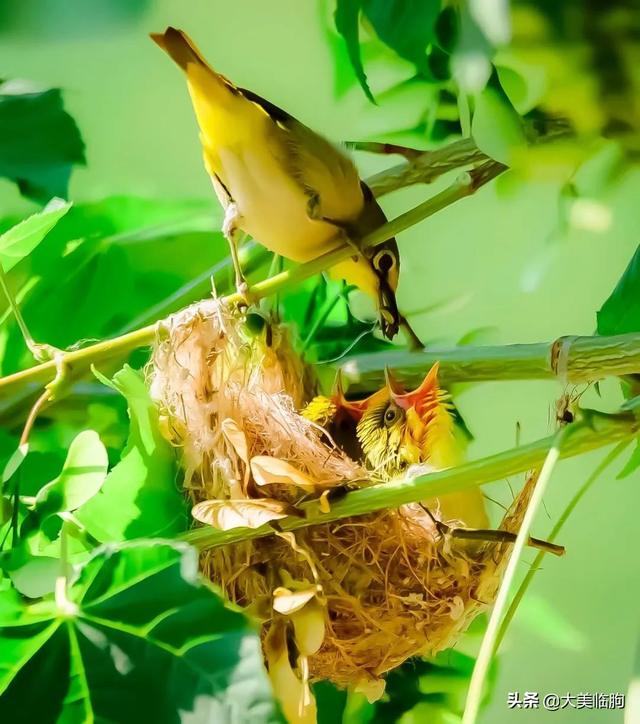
231 222
246 298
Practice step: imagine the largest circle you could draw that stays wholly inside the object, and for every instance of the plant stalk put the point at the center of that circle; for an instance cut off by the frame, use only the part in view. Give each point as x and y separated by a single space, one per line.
572 360
601 430
487 648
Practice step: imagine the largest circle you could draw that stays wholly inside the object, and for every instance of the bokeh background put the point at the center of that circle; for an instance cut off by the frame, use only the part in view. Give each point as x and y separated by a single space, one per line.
517 262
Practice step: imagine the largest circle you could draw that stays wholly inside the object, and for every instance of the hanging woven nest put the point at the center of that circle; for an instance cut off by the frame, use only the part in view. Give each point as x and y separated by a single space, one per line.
346 601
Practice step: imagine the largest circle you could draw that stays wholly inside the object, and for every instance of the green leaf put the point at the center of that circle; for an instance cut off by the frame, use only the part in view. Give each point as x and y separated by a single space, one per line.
141 638
524 84
493 19
496 127
149 250
621 312
14 462
406 26
35 577
82 476
19 241
140 496
447 29
347 18
39 141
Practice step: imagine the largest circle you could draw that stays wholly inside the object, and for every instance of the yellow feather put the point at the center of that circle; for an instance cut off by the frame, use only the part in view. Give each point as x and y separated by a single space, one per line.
271 166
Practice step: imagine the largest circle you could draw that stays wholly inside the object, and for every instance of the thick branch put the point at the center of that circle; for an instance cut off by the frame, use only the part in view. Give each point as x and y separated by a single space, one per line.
80 359
427 167
601 430
568 359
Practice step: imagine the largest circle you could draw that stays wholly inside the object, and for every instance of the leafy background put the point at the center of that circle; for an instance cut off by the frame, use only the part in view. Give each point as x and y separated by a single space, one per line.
529 258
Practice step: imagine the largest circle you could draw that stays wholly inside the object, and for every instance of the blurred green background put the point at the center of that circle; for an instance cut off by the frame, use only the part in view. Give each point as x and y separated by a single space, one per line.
517 262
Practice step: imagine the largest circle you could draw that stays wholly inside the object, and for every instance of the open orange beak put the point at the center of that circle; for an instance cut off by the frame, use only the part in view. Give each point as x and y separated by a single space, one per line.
417 397
355 408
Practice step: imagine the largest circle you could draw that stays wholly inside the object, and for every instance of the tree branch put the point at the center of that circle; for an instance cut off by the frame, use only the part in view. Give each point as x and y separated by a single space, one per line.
597 430
568 359
81 359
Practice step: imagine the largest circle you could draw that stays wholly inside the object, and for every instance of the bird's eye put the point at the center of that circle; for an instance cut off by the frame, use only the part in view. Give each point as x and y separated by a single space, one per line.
384 261
391 414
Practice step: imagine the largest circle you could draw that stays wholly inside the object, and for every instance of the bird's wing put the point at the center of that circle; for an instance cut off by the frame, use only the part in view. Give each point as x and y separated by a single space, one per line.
321 168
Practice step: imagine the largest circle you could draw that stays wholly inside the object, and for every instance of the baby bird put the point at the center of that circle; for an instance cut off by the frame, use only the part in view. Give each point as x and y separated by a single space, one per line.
393 429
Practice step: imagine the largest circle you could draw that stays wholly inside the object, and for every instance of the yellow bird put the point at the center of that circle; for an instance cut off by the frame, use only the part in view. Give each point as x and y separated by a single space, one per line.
392 429
340 417
283 184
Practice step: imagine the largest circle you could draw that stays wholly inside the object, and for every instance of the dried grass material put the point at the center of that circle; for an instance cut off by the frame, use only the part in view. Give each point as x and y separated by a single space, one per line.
392 588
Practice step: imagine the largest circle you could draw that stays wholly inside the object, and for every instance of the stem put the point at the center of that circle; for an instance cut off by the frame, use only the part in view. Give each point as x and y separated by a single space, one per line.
427 167
78 360
487 648
26 334
64 605
601 430
585 359
557 528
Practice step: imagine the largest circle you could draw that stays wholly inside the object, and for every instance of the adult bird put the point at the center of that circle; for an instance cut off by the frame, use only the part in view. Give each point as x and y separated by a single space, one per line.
285 185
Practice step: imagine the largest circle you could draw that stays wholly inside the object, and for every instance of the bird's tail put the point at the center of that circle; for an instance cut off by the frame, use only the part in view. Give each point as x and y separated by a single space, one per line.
179 46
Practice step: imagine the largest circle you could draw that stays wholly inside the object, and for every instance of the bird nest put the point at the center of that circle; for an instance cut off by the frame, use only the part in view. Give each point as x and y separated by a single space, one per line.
347 600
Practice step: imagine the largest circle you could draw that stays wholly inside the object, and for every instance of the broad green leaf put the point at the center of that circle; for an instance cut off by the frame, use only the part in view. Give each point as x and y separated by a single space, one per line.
406 26
141 638
36 576
347 18
496 127
39 141
19 241
621 312
140 496
159 255
82 476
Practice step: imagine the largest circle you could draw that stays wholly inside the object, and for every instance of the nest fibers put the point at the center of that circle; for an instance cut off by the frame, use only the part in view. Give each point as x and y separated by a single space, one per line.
345 601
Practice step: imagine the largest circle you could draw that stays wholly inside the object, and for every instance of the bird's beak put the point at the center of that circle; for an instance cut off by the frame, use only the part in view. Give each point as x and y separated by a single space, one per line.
388 308
354 408
416 397
394 387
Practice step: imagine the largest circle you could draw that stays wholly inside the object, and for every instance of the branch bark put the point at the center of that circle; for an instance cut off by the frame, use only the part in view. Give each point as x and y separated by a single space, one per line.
596 431
571 360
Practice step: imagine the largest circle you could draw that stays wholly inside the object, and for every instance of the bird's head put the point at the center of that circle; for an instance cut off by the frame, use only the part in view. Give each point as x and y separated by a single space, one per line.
340 416
402 428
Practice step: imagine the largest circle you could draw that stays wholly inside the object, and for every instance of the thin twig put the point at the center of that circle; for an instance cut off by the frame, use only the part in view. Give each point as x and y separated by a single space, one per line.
487 648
